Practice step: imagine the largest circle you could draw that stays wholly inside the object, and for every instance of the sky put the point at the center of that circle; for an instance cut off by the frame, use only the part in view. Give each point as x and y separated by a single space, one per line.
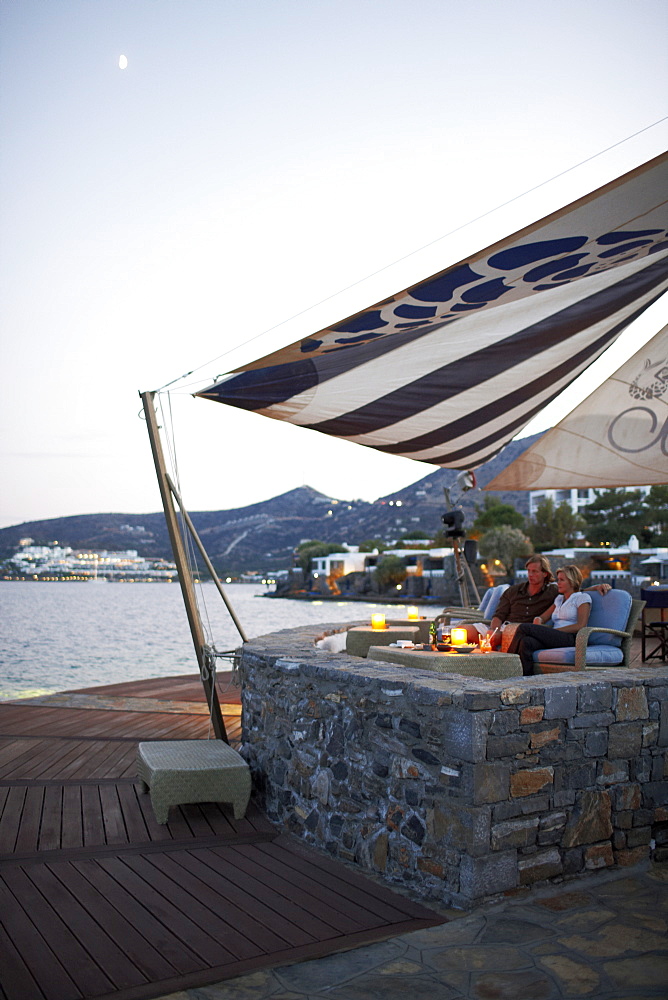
257 171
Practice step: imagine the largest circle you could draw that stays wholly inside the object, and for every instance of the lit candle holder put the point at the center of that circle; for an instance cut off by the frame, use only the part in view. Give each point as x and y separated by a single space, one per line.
413 614
458 636
378 622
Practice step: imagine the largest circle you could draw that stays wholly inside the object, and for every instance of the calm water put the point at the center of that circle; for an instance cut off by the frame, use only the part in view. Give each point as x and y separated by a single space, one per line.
55 636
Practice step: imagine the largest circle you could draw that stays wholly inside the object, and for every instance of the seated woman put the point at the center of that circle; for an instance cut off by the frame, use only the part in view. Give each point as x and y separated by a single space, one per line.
569 613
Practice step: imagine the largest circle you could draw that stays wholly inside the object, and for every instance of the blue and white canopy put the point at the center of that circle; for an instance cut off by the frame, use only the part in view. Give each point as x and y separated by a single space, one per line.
449 370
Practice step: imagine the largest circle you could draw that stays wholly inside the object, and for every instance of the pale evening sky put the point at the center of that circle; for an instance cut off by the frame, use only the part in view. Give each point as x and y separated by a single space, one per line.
253 159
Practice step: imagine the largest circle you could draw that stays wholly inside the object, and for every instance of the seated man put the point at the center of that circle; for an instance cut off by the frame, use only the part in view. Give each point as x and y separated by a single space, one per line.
525 601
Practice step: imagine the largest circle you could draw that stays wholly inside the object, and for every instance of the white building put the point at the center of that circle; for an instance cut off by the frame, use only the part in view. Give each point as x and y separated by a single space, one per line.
575 498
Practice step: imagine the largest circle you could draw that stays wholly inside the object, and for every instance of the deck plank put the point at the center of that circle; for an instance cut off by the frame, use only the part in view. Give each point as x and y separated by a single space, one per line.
62 940
49 975
98 900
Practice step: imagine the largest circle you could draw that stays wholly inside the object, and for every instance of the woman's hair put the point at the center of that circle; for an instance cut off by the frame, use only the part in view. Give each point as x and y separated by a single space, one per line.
544 564
573 575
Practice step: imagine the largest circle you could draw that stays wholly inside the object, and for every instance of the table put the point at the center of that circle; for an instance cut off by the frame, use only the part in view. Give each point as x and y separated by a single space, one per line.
489 666
422 625
183 771
361 637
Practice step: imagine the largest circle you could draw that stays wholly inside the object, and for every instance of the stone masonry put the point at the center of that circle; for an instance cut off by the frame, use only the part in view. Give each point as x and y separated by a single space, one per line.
463 788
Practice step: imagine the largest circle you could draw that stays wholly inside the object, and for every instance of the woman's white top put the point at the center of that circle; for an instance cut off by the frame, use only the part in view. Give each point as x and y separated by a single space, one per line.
566 611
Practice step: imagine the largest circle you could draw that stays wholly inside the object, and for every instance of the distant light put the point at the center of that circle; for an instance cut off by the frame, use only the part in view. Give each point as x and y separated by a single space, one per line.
123 62
228 579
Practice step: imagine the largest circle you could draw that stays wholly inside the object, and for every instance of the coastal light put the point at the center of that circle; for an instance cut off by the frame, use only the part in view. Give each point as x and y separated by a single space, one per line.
413 614
458 636
378 622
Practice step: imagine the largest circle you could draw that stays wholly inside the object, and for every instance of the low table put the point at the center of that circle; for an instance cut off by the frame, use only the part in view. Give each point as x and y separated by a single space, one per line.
361 637
489 666
184 771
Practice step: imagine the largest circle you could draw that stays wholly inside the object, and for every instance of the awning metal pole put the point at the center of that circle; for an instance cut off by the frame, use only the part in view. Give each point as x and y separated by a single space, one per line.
178 548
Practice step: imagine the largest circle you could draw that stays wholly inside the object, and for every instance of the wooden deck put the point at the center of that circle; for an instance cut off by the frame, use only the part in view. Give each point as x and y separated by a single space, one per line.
97 900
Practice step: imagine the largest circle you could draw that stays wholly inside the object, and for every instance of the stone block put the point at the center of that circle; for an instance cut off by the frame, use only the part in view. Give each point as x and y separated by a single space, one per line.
638 836
623 820
414 830
565 797
504 722
460 829
521 807
561 702
516 696
662 739
589 821
487 875
431 867
507 746
514 833
490 782
530 782
532 714
596 743
626 797
598 856
650 734
631 704
580 775
624 740
573 861
595 697
592 720
544 736
553 821
464 734
612 772
545 864
632 856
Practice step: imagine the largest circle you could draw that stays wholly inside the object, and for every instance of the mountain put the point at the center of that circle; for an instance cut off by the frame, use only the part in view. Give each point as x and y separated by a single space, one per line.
263 536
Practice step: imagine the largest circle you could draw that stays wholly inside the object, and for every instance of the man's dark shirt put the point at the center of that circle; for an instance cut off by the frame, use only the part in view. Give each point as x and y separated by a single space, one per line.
518 605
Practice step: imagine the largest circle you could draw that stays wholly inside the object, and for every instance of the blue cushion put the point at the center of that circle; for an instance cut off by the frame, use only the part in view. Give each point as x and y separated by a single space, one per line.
609 611
609 655
487 597
495 597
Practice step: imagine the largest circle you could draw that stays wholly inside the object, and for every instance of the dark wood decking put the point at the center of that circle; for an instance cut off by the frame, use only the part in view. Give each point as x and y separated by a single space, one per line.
97 900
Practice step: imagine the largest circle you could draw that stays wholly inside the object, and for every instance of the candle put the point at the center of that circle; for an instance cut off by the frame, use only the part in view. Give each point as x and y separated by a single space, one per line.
378 622
458 636
413 614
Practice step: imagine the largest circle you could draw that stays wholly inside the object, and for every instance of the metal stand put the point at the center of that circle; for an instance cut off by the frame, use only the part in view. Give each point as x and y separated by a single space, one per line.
464 577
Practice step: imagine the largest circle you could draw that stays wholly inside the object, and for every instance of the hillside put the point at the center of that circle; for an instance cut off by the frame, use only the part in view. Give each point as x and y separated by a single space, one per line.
262 536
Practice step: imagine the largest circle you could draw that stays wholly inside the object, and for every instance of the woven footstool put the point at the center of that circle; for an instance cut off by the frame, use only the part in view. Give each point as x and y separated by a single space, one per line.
182 771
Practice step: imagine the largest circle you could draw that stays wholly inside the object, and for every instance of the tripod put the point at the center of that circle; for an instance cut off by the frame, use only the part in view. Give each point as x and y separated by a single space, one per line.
464 577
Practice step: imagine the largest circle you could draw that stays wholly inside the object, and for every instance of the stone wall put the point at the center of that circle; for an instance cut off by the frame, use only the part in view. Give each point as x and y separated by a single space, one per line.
463 788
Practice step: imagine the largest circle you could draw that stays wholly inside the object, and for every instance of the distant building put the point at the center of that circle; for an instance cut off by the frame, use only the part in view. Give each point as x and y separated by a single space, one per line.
575 498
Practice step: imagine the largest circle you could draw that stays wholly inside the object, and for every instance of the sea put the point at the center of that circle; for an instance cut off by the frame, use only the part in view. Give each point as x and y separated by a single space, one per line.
63 636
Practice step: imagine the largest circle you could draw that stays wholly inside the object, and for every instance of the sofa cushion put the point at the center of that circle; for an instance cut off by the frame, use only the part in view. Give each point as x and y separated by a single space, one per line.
609 611
609 655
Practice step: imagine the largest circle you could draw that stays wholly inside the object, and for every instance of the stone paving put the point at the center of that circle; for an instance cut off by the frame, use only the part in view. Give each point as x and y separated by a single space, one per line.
601 936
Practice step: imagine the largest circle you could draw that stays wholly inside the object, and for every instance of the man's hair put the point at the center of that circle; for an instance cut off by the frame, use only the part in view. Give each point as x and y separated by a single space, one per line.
573 575
544 564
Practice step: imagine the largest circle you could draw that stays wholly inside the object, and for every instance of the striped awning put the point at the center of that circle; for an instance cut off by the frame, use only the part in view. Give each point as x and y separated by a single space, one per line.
449 370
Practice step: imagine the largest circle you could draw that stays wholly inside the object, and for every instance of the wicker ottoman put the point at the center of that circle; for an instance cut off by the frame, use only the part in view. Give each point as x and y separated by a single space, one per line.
183 771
